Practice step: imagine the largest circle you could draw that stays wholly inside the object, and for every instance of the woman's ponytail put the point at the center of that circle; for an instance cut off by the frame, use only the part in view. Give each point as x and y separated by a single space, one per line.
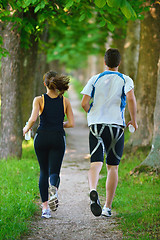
54 81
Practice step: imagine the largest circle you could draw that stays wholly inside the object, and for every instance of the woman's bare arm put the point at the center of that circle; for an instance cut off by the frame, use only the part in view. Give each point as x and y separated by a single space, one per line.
34 115
70 118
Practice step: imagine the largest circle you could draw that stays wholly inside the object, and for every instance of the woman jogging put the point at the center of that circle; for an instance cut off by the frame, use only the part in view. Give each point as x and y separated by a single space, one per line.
49 142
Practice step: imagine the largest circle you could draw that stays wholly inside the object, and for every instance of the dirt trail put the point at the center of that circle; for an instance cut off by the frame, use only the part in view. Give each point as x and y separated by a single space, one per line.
73 219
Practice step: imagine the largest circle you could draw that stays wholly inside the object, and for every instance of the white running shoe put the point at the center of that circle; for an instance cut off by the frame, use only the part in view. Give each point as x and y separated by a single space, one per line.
106 212
46 213
53 200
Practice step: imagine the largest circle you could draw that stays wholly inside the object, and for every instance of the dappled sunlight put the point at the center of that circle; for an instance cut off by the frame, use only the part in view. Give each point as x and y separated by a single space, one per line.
27 144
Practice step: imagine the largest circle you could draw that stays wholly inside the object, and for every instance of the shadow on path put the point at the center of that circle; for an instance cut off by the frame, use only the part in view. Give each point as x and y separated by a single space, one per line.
73 219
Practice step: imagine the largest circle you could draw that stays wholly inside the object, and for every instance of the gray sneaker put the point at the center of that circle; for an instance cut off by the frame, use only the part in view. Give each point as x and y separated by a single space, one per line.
53 198
106 212
46 213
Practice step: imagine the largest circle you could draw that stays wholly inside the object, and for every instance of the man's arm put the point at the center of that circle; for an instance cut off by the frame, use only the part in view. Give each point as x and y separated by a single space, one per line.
132 107
85 102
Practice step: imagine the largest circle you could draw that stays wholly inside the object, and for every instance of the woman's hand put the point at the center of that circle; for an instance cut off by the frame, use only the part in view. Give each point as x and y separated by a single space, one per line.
25 130
34 115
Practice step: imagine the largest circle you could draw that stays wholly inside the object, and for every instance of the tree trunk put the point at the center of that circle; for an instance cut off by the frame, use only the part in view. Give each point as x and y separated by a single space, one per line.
131 54
28 59
41 68
11 128
147 76
131 49
118 42
153 159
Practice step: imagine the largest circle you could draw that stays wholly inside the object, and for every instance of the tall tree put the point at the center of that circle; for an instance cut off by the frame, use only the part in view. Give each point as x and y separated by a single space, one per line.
28 58
131 53
147 75
11 128
72 42
118 42
131 48
153 159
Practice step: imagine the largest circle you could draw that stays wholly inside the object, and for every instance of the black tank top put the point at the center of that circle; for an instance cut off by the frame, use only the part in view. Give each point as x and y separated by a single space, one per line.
52 116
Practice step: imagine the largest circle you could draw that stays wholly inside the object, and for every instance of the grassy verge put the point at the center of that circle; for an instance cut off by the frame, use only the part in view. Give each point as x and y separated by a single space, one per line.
137 199
19 192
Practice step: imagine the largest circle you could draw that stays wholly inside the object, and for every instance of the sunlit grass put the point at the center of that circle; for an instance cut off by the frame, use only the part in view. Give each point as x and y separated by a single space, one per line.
19 192
0 111
137 198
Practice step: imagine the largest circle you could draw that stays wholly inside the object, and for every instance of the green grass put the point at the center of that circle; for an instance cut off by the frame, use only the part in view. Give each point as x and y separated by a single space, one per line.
137 198
136 202
0 111
19 193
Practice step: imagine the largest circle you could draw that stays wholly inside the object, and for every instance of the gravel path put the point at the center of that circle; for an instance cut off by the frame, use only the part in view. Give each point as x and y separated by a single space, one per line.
73 219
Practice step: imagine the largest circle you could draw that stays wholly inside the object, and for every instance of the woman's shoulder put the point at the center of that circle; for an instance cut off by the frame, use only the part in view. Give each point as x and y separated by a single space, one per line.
66 99
39 99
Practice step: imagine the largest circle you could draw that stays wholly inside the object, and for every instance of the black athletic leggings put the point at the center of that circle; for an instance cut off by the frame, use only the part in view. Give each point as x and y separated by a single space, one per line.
49 148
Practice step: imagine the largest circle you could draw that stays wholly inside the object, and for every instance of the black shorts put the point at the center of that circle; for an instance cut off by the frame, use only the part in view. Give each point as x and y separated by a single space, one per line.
111 141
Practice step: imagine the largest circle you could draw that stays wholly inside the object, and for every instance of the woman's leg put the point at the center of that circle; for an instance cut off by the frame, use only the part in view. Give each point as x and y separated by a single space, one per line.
42 156
56 155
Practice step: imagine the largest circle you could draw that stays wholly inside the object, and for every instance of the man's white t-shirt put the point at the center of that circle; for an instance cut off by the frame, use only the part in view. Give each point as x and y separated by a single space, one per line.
109 98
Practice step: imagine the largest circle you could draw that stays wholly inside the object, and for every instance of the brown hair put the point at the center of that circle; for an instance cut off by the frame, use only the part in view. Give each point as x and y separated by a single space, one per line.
112 57
54 81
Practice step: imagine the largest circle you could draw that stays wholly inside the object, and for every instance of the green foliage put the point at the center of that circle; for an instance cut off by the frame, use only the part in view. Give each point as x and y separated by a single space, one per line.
128 11
3 52
100 3
137 198
72 43
19 192
75 28
115 3
41 5
69 4
124 5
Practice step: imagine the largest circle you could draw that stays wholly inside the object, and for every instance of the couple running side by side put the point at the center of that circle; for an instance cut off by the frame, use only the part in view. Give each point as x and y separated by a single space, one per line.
104 100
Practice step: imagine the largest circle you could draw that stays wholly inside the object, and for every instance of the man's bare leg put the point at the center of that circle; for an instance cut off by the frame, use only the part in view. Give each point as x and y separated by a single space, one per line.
93 174
93 177
111 184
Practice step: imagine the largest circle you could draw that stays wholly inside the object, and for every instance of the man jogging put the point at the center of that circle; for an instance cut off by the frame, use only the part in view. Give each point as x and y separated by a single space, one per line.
104 99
